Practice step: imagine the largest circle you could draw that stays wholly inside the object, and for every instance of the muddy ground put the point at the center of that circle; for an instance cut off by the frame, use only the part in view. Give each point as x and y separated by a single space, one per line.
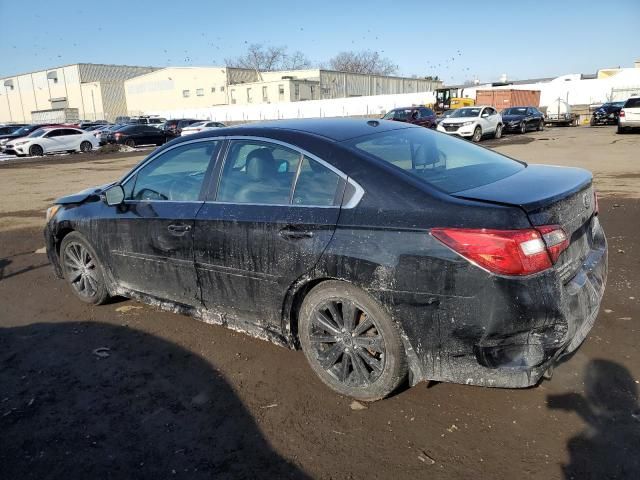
127 391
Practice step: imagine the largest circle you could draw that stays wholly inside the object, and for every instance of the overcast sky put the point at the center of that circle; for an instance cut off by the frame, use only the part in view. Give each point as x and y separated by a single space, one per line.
457 40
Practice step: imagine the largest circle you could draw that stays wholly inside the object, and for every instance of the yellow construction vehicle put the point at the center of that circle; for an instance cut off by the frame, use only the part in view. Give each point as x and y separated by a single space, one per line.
451 98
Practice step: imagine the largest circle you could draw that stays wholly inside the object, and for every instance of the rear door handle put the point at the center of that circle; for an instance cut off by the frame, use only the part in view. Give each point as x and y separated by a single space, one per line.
179 229
293 234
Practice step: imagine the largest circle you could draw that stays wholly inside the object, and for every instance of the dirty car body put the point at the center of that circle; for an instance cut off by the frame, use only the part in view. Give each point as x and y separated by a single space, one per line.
389 208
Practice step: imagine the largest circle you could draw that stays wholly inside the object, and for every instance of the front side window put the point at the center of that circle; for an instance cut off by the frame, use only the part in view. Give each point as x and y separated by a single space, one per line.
258 172
175 175
448 164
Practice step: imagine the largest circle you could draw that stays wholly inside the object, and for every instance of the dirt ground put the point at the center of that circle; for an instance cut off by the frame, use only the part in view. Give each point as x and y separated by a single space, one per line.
127 391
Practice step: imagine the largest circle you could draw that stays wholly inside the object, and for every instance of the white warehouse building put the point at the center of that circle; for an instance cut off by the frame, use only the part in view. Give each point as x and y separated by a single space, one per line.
81 91
189 88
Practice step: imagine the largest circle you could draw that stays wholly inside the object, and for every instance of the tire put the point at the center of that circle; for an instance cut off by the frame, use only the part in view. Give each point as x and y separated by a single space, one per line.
592 122
86 147
540 126
36 151
477 134
523 127
620 130
130 142
368 364
498 133
83 270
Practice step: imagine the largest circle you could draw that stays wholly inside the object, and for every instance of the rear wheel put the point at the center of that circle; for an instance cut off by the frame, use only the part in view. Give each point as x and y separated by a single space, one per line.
498 133
477 134
620 129
36 151
86 147
350 342
82 269
130 142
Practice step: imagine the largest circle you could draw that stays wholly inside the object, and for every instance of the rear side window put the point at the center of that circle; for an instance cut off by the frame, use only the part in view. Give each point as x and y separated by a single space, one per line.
632 103
175 175
447 163
316 184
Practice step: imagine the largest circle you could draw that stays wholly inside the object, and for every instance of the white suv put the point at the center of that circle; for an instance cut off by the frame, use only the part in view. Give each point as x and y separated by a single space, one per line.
629 115
474 122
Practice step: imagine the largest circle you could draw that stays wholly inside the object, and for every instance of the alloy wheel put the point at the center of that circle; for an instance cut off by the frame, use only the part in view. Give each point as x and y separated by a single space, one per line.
86 147
348 344
81 270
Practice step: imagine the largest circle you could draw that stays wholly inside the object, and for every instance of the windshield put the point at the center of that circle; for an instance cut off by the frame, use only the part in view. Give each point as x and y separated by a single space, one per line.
24 130
197 124
37 133
466 112
447 163
515 111
400 114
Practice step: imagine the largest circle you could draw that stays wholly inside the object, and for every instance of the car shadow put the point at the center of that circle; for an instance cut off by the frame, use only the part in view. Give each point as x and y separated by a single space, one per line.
95 400
609 446
5 262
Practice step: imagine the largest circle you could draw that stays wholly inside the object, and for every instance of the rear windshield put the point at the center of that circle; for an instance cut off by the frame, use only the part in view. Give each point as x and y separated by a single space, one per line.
632 103
447 163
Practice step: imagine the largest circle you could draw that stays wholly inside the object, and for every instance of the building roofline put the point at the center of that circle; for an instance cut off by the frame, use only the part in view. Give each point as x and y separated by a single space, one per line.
77 63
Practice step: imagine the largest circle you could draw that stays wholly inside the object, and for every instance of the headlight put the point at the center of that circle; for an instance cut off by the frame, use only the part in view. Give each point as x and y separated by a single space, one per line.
22 142
51 211
467 123
4 141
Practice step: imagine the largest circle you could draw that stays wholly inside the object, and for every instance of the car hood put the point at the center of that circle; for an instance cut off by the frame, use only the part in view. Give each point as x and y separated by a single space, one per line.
459 119
83 195
532 187
512 118
9 136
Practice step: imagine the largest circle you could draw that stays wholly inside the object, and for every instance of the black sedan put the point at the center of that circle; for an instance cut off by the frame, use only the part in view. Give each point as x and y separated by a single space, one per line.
382 249
607 114
521 119
135 135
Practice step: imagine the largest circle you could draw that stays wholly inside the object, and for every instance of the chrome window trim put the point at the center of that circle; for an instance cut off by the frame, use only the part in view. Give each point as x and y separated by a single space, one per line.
353 201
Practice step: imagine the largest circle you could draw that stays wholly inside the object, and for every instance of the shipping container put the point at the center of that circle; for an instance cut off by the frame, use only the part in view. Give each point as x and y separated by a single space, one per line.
506 98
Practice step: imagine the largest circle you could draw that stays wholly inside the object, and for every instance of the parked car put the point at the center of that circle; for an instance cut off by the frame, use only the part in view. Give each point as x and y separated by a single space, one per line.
147 120
101 132
136 135
629 117
473 122
521 119
201 127
607 114
423 116
173 127
380 248
9 129
22 132
50 140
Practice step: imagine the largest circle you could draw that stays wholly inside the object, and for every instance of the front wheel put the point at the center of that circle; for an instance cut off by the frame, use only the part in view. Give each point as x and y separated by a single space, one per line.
477 134
36 151
82 269
523 127
350 342
540 126
498 133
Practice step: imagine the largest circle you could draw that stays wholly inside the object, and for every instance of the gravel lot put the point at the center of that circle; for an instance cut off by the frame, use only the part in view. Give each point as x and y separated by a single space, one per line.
127 391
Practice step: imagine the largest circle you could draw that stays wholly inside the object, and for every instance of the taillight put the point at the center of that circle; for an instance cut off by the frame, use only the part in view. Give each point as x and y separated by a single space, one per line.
506 252
622 114
596 207
117 136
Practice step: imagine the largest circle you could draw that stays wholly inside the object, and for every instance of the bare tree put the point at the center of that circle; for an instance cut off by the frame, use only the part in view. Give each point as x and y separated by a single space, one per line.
267 59
366 61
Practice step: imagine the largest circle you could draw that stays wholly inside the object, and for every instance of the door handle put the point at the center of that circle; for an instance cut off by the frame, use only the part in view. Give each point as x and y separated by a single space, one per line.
293 234
179 229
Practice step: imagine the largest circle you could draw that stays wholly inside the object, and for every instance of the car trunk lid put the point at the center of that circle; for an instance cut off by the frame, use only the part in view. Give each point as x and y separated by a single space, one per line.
549 196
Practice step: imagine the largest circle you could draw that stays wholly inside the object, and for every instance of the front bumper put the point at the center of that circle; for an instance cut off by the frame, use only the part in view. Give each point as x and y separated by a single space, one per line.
511 127
463 131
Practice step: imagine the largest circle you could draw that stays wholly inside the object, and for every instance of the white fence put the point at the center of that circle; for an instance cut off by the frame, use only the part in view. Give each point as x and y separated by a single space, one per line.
338 107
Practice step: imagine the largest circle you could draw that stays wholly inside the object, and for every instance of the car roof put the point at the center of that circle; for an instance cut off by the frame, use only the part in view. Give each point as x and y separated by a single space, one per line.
335 129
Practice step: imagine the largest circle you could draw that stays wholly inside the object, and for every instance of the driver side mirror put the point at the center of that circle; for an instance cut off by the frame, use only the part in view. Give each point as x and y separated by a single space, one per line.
114 195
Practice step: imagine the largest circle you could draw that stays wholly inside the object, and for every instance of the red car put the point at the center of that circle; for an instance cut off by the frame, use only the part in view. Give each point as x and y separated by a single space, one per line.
423 116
